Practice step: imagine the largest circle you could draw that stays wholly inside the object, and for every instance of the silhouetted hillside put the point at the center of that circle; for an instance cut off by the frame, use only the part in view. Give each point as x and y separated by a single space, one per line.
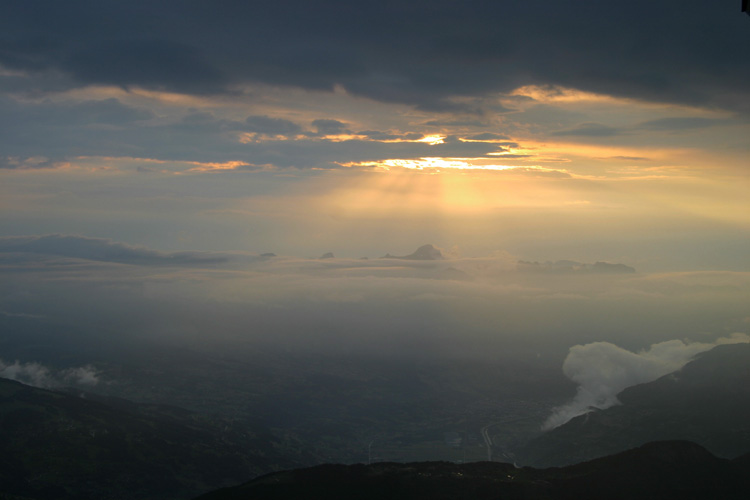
663 470
425 252
57 446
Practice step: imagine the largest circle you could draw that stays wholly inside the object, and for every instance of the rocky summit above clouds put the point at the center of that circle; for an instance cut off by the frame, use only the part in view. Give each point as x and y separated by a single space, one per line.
425 252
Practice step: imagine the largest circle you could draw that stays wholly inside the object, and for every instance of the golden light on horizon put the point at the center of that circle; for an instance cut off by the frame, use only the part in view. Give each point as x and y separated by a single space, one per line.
438 164
443 190
559 94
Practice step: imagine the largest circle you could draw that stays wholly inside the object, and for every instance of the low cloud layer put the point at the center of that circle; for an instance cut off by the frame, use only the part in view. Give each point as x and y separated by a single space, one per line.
602 370
486 306
100 249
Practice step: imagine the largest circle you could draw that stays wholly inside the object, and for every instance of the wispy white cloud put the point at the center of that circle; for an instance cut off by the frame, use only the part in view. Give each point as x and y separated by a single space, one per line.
38 375
602 370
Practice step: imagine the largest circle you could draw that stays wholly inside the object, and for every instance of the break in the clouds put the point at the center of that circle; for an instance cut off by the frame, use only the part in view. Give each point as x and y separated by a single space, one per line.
602 370
680 123
590 130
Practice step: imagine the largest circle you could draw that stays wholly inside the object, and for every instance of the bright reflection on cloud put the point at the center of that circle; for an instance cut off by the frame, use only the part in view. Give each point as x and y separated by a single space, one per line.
432 140
437 164
548 94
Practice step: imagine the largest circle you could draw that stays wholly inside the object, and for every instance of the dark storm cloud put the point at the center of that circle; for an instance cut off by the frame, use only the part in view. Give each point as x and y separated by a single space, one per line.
41 135
626 158
270 126
106 112
680 123
325 126
31 162
488 136
456 123
419 53
379 135
100 249
590 130
47 134
158 64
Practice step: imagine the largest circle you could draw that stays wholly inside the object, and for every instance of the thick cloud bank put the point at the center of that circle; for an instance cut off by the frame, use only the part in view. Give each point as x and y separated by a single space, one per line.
602 370
100 249
56 288
459 49
38 375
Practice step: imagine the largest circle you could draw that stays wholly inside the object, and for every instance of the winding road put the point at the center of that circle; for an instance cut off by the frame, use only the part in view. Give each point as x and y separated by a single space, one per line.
487 441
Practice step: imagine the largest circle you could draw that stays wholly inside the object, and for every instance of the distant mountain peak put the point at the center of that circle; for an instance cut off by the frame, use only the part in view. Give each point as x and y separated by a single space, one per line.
425 252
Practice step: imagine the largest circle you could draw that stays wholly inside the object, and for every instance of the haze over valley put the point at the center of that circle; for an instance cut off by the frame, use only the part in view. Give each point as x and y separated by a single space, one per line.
243 237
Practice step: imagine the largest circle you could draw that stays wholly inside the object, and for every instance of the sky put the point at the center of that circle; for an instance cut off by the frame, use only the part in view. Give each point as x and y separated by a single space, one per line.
176 170
582 131
551 130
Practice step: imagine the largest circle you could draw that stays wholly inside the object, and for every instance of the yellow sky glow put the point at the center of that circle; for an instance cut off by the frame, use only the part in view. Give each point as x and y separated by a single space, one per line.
437 164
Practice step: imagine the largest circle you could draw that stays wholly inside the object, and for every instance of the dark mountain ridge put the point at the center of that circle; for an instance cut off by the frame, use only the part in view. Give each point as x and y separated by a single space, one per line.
62 446
663 470
59 446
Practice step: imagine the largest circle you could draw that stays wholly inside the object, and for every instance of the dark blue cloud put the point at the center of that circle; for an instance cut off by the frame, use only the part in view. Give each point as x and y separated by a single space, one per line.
261 124
680 123
155 64
99 249
327 126
419 52
590 130
57 131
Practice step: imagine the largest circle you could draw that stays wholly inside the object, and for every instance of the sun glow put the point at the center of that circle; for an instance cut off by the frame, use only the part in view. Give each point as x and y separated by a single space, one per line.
432 140
441 163
563 94
437 164
444 199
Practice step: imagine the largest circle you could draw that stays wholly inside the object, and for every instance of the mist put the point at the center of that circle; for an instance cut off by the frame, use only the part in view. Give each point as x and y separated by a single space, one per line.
333 351
489 306
38 375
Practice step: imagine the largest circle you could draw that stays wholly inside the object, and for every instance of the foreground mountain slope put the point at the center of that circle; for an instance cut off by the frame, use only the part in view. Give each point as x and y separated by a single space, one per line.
664 470
59 446
707 402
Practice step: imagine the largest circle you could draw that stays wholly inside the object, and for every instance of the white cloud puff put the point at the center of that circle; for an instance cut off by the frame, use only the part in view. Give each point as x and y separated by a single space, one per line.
602 370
